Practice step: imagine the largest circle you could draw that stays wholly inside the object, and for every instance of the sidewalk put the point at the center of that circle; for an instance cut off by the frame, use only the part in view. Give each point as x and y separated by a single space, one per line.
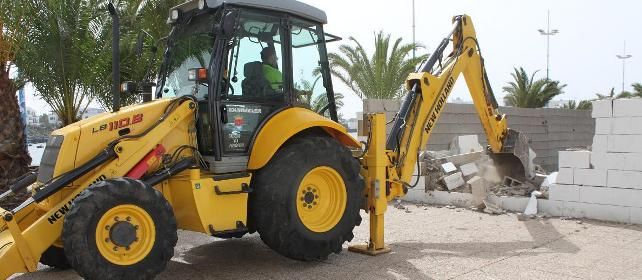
427 243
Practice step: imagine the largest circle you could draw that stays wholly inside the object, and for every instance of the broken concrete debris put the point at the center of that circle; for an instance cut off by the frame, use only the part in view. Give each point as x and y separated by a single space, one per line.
454 180
479 190
469 169
493 205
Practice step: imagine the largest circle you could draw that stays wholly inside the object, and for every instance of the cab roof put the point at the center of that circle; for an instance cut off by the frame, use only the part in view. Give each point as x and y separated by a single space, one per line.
289 6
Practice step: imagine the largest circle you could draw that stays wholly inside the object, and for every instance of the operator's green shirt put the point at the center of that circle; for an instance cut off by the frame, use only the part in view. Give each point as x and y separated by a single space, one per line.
273 76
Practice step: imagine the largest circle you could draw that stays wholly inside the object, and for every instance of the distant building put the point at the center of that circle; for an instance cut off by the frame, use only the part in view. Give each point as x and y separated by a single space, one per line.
353 124
556 103
53 119
458 100
32 117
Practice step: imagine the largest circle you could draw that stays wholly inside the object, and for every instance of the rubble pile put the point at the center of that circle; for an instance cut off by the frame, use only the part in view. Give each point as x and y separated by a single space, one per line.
467 168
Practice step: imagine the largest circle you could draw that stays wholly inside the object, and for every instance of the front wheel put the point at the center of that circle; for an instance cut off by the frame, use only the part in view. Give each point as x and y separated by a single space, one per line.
119 229
306 201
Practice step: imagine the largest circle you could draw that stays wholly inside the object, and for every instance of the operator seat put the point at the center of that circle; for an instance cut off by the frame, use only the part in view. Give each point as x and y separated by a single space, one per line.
254 83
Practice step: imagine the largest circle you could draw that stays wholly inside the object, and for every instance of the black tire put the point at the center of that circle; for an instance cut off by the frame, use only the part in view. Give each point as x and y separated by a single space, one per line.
273 209
55 257
79 230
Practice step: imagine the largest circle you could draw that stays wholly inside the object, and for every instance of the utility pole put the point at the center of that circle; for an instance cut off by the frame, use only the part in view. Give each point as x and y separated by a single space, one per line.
623 57
413 29
548 33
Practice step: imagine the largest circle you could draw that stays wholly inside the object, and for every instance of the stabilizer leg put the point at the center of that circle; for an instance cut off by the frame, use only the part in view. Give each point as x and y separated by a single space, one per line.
375 161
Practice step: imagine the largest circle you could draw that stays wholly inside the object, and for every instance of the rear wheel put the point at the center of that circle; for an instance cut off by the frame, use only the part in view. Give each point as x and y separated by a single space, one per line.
306 201
120 229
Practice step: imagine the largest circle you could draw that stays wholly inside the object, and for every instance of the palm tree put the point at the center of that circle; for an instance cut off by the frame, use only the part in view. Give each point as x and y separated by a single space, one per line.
317 102
573 105
58 55
526 92
136 16
637 89
14 157
378 75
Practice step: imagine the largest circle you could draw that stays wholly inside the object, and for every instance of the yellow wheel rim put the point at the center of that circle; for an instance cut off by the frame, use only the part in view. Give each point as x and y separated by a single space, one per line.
125 234
321 199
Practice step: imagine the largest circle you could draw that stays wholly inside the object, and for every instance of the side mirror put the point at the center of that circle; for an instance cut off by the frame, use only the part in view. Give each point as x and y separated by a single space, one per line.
229 22
128 87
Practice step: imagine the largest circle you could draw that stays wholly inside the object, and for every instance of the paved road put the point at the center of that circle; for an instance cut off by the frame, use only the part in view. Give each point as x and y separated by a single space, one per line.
428 243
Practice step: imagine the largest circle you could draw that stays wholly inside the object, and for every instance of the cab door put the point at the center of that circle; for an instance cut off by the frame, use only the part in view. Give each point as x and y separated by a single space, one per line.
249 97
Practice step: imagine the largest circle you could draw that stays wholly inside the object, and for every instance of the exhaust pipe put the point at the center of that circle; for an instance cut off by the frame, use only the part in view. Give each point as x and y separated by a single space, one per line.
115 56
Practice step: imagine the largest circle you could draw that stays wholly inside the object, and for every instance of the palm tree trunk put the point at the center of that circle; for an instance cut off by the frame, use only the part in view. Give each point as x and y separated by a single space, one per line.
14 156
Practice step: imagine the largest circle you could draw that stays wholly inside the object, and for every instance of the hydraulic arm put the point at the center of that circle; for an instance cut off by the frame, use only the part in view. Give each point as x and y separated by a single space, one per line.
428 92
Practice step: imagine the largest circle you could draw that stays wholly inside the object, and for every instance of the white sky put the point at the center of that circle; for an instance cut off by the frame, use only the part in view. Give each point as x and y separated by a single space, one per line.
582 54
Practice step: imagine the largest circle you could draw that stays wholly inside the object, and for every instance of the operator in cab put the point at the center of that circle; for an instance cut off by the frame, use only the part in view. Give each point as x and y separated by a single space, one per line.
271 68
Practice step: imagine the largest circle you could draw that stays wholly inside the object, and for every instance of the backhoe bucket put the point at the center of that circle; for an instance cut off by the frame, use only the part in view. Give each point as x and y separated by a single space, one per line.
516 157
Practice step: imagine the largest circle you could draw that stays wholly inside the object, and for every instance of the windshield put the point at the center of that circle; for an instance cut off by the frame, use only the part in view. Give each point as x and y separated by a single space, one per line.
190 46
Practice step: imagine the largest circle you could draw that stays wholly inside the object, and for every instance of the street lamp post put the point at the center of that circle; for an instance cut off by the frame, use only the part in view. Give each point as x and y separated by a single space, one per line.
413 29
623 57
548 33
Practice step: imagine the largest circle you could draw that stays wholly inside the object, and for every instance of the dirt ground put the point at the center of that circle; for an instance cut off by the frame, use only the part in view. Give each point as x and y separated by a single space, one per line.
427 243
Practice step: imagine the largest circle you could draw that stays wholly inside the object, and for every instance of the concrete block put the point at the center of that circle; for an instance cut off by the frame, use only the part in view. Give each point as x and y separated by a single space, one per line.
624 143
576 159
618 161
565 176
564 192
596 211
479 189
514 203
602 108
448 198
600 144
624 179
469 169
609 196
550 207
636 215
466 144
603 126
589 177
627 107
454 180
626 125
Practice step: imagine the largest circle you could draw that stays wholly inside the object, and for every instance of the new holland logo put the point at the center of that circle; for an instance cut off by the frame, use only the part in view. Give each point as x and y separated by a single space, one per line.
443 96
62 211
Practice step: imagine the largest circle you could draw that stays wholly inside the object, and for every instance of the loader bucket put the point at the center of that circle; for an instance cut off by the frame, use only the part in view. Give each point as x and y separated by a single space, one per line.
516 157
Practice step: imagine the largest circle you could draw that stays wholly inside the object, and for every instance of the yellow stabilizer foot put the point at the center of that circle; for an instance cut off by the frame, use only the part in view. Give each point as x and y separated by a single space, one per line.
368 250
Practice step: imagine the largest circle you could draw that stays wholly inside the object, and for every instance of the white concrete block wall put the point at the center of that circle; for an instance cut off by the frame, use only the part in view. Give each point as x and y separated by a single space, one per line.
602 126
602 109
589 177
575 159
565 176
627 107
624 179
610 188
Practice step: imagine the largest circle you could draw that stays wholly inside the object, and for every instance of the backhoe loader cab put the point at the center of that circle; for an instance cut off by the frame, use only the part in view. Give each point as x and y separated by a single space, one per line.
245 61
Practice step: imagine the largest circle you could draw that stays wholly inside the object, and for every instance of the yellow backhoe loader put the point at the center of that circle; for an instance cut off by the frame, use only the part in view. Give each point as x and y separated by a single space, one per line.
232 144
